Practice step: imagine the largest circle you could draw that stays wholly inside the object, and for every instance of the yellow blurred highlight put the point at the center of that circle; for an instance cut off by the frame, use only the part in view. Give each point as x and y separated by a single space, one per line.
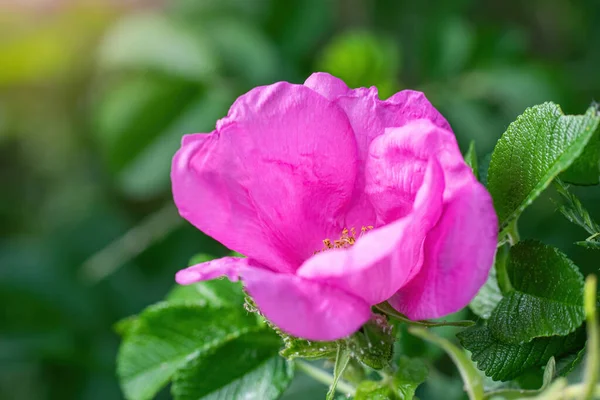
41 43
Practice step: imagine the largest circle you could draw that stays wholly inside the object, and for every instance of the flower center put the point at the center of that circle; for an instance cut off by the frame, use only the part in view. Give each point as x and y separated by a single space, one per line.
345 241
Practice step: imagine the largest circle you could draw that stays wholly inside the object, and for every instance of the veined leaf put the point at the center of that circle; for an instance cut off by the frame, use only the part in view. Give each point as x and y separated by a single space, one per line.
246 367
539 145
546 296
510 394
166 336
504 361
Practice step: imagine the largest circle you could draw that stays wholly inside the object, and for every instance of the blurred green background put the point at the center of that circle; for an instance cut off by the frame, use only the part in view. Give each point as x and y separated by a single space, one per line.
95 96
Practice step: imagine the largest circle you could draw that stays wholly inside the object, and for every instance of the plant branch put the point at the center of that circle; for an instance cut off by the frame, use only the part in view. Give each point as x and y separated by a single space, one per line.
324 377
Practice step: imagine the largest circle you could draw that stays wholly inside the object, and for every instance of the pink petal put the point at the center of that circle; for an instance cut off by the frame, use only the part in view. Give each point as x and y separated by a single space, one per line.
397 161
302 308
369 117
274 179
306 309
327 85
459 253
383 260
226 266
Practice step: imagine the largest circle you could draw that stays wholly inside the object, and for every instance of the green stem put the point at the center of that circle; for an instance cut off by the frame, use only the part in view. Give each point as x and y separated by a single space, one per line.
391 312
576 391
593 344
325 378
512 230
501 272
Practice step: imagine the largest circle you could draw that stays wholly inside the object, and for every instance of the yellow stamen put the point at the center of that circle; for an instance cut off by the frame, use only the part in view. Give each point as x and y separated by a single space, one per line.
345 241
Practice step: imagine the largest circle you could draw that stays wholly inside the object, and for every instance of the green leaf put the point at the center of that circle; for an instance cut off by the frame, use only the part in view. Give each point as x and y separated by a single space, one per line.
575 212
300 348
539 145
546 297
593 244
390 311
565 365
371 390
373 343
410 374
245 367
484 168
150 41
510 394
217 293
471 158
504 361
342 359
126 325
586 169
166 336
470 376
488 296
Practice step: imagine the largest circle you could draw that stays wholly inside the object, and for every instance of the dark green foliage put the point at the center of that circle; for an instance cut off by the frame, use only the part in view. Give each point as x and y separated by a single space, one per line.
503 361
546 295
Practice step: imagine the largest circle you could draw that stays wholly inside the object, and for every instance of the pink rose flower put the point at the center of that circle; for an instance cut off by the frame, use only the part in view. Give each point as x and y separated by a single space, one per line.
339 201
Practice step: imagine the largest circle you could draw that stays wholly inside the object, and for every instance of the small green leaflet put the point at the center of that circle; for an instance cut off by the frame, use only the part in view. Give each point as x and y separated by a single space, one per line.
574 211
538 146
546 296
310 350
372 390
373 343
410 374
342 359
